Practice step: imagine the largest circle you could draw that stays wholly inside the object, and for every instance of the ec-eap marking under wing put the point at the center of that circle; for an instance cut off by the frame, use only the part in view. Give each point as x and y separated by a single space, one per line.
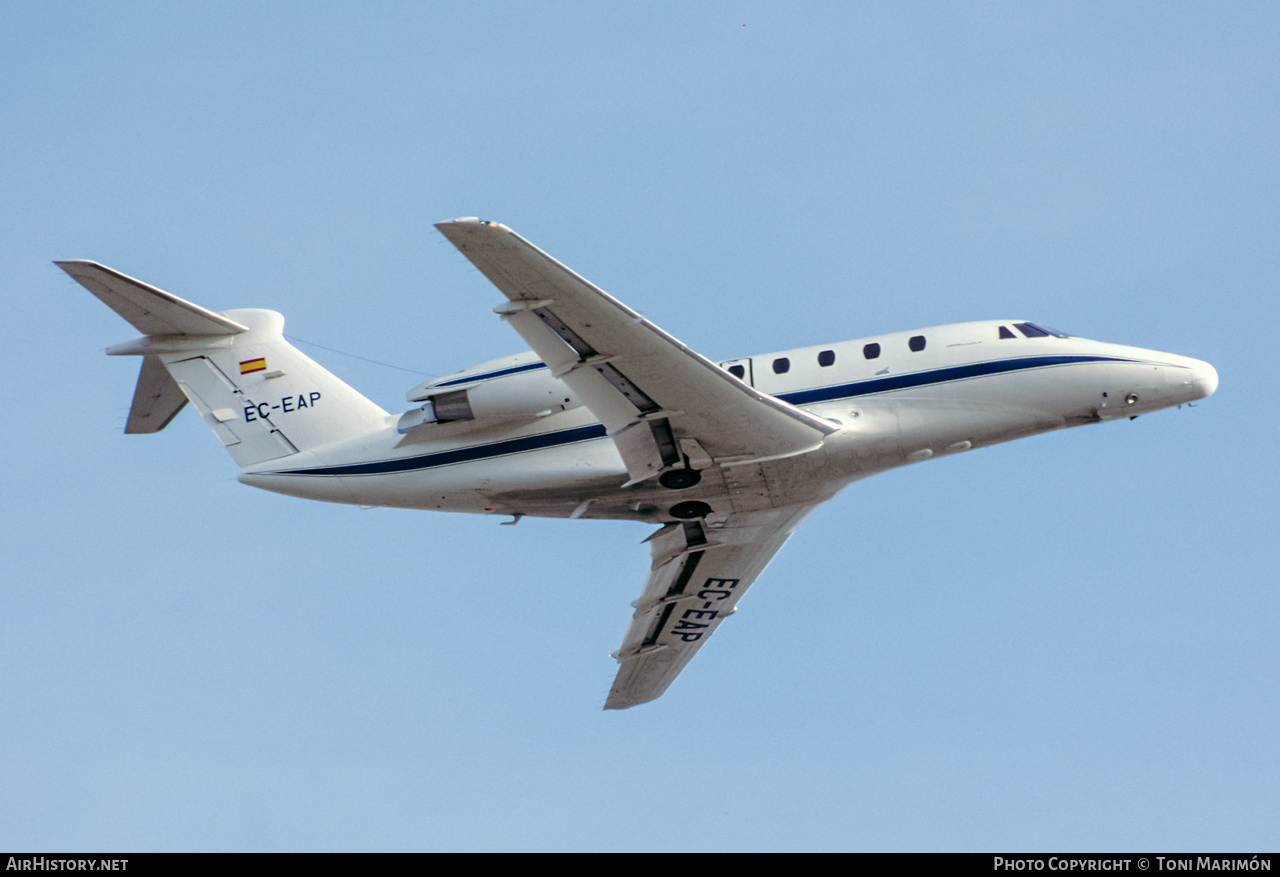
664 404
698 576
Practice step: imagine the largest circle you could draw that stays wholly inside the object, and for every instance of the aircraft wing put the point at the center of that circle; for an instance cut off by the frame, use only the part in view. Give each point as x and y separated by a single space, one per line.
665 405
697 577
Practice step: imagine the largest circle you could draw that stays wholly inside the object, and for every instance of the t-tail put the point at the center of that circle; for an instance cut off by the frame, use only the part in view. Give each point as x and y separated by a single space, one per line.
262 397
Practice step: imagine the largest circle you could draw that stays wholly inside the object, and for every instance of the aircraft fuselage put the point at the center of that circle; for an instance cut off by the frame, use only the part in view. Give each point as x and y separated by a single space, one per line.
897 399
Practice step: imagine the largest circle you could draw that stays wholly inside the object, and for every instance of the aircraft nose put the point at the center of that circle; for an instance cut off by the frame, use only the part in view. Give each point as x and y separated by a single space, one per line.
1206 378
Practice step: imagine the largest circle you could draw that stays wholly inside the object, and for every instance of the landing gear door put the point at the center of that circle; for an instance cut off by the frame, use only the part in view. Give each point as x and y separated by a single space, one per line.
740 369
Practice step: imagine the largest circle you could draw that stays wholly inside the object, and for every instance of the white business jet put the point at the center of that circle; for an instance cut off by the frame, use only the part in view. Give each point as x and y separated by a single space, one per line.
611 417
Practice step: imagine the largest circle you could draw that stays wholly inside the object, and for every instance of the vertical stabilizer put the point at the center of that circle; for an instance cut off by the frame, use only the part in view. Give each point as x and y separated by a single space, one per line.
266 399
261 396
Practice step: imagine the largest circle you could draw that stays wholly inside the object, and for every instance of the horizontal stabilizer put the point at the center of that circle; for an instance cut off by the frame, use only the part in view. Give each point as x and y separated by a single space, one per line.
152 311
156 401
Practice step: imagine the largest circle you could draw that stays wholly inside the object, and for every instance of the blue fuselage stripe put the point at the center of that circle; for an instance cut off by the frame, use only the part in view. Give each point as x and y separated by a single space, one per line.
936 376
597 431
460 455
486 376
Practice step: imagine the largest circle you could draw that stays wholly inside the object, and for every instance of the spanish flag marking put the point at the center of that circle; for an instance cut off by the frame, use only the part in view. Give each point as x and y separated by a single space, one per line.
253 365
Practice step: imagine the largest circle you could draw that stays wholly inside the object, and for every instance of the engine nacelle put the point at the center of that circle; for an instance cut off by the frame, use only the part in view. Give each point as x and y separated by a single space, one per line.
515 387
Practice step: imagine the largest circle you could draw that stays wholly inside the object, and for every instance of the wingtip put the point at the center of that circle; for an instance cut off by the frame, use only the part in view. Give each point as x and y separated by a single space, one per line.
617 701
469 220
78 267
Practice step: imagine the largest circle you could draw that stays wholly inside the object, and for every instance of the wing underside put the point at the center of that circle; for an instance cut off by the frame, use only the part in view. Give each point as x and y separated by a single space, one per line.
697 577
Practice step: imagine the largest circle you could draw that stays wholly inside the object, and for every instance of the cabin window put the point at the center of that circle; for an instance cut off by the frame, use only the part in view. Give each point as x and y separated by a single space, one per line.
916 343
781 365
1005 333
871 351
826 358
738 371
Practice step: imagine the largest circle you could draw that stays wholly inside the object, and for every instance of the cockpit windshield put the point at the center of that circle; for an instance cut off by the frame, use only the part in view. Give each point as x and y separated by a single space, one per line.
1034 330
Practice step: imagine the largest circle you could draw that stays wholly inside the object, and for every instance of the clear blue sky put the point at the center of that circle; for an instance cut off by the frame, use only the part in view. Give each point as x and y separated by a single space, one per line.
1068 642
